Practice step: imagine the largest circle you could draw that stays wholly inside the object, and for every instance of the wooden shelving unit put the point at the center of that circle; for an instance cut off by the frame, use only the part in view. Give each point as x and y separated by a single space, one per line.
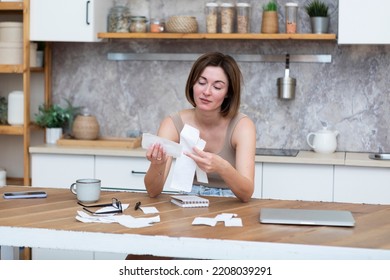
218 36
22 9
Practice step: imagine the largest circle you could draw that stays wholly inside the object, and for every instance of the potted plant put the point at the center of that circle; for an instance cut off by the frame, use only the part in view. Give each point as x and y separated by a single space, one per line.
55 119
3 110
318 12
270 22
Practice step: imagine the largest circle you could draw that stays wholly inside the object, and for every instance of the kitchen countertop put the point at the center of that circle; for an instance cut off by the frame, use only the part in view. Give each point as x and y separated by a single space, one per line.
303 157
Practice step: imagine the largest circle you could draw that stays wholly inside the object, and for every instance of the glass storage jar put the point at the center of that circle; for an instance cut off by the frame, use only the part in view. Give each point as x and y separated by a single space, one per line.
211 17
118 19
291 17
157 25
243 17
227 18
138 24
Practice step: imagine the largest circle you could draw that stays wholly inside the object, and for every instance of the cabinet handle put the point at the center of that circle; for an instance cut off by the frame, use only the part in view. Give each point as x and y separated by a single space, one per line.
138 172
87 13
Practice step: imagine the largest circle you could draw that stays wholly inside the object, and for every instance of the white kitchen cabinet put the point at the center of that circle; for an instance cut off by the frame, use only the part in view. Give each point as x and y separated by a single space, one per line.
124 172
70 20
357 184
60 171
298 182
121 172
362 22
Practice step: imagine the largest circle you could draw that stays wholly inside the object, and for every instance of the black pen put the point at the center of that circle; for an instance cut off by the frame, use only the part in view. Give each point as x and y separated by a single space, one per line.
137 205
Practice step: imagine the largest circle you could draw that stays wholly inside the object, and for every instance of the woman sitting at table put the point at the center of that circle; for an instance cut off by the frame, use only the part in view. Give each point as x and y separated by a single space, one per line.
213 89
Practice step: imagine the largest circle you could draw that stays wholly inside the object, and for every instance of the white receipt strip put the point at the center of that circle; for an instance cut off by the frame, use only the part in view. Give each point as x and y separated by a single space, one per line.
171 148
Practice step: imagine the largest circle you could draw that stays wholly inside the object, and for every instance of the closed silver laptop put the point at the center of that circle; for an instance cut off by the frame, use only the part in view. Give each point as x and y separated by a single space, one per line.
306 217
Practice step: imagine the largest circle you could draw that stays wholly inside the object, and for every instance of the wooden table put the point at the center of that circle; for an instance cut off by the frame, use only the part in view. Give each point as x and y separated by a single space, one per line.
51 223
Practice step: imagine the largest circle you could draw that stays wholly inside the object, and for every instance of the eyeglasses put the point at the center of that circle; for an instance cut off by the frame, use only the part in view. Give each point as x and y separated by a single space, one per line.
115 203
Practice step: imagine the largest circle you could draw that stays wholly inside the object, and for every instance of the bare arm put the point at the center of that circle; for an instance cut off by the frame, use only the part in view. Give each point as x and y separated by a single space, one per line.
160 163
240 179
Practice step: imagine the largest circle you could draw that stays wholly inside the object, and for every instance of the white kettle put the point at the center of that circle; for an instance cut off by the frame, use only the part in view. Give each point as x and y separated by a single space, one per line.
323 141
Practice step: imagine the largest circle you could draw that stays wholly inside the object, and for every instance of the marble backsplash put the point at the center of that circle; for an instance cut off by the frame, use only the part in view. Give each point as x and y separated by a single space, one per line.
351 93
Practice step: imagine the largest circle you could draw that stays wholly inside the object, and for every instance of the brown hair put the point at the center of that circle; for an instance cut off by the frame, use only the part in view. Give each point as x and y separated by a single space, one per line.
231 104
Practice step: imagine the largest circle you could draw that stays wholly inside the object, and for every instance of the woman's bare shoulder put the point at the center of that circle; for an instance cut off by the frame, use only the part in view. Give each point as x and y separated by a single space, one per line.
244 130
168 130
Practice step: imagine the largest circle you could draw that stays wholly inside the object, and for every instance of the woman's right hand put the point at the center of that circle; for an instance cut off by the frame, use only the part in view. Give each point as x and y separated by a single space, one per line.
156 154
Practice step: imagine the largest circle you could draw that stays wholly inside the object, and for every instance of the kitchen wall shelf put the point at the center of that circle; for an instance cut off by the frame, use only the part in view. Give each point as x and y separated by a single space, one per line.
218 36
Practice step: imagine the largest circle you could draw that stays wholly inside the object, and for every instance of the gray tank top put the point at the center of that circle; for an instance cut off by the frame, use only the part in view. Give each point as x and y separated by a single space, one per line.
227 152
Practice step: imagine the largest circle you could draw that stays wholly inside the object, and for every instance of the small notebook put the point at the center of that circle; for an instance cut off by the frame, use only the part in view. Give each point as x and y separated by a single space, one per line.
190 201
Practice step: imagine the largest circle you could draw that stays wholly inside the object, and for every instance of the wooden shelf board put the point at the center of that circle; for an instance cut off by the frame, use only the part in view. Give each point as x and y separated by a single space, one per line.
15 181
11 6
11 129
11 68
37 69
129 143
247 36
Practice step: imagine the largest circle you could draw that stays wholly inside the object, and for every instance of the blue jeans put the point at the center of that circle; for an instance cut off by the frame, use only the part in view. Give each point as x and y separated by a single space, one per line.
208 191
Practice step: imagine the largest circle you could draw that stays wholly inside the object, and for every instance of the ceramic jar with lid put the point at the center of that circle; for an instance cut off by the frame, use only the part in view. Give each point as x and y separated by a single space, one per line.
16 108
118 19
85 127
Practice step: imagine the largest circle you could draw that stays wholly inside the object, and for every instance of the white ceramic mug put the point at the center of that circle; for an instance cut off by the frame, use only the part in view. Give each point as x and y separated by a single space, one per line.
86 190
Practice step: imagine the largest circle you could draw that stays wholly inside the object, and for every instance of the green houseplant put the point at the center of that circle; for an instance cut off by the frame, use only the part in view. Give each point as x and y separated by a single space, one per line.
318 12
3 110
53 116
55 119
270 6
270 22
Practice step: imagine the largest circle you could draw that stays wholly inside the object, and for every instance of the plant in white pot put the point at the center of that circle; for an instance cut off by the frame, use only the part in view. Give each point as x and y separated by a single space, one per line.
55 119
318 12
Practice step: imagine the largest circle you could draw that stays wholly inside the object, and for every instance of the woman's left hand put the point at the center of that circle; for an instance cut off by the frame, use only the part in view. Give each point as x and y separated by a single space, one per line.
206 161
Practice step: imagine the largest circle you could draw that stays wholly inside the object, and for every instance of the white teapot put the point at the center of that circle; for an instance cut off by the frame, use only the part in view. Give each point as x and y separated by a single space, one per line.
323 141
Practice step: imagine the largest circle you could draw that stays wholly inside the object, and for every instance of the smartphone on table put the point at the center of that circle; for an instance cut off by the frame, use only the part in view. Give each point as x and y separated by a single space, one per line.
28 194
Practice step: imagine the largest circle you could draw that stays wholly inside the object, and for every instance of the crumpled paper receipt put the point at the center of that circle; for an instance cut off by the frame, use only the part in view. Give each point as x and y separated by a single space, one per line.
229 219
184 168
125 220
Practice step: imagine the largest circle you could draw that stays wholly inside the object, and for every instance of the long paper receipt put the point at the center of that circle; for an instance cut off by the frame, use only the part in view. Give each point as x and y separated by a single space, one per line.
185 167
171 148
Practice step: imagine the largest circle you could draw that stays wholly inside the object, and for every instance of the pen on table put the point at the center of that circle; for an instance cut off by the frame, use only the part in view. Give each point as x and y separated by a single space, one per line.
137 205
